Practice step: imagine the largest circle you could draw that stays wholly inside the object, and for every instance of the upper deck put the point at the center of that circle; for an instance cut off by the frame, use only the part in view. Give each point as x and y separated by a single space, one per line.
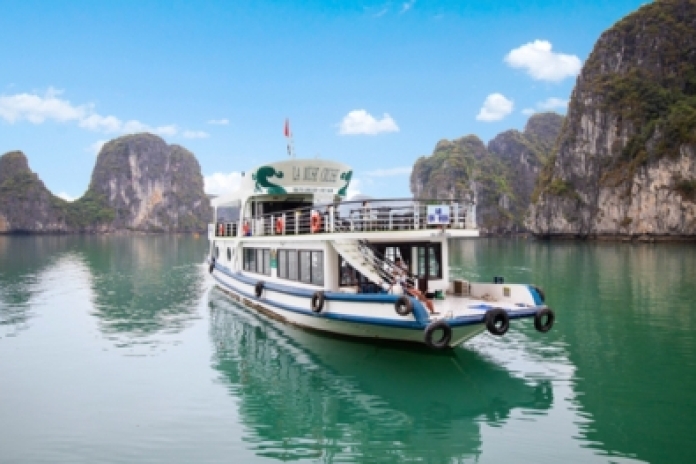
373 217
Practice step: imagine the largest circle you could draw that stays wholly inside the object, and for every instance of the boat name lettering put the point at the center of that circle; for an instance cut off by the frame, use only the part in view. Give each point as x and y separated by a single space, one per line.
314 174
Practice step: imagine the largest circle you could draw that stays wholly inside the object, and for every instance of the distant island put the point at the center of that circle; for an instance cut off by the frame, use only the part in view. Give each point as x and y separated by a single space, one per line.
139 184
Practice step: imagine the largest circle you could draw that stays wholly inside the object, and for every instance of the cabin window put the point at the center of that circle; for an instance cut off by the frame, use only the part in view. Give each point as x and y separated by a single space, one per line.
304 266
217 252
229 255
283 264
257 260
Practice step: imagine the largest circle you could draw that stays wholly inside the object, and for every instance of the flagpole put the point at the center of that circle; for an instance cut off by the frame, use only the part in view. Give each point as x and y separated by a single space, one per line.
288 135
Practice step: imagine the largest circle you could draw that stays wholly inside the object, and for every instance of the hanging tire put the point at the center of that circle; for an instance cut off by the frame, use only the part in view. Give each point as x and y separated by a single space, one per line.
212 265
317 301
431 338
497 321
258 289
403 306
543 319
541 293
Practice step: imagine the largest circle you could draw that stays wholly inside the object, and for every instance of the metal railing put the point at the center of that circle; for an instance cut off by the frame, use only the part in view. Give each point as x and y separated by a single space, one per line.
355 216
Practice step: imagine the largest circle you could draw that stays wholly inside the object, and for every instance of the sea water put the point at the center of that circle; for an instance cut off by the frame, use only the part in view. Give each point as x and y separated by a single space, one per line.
119 349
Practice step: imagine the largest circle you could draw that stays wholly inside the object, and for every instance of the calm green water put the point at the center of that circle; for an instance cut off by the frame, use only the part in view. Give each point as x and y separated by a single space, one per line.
115 349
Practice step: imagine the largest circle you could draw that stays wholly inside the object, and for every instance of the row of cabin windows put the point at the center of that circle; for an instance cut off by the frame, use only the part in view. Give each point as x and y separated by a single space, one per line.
257 260
306 266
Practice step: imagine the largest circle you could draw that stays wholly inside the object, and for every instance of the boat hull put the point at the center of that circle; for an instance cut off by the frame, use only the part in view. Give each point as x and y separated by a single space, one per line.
370 317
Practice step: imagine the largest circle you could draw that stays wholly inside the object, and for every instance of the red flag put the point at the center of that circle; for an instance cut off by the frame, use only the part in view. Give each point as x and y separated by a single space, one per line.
287 128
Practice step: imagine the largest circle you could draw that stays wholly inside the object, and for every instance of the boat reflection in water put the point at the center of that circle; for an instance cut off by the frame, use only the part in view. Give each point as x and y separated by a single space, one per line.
306 395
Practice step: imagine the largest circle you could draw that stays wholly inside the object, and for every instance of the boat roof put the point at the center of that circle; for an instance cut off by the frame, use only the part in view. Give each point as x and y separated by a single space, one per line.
325 180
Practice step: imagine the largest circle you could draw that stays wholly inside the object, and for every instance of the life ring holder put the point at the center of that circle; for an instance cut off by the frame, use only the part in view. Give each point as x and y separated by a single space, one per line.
279 226
497 321
403 306
258 288
543 319
317 303
315 222
444 340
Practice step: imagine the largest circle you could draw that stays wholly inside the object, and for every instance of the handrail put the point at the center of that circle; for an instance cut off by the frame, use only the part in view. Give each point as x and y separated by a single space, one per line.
376 215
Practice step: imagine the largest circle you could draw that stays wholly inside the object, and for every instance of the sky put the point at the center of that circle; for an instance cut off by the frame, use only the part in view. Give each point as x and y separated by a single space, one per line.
373 84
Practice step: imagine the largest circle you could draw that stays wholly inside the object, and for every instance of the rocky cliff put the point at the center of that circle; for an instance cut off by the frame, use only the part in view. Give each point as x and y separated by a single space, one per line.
499 177
626 159
26 205
139 183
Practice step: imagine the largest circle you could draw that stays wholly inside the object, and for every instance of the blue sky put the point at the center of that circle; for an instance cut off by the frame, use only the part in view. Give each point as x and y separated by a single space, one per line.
370 83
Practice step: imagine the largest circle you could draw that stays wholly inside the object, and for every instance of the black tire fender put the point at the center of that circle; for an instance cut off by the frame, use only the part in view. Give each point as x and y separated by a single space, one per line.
317 303
403 306
212 265
497 321
541 293
441 342
258 288
543 319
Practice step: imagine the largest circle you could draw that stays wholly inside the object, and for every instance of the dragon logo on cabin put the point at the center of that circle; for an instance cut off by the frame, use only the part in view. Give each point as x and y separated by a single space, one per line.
345 176
261 177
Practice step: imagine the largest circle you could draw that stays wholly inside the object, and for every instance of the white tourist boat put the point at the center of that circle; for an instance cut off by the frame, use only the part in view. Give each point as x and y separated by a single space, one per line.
286 244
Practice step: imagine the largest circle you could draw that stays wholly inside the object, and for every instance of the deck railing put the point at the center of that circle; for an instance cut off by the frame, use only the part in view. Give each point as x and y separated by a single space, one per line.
346 217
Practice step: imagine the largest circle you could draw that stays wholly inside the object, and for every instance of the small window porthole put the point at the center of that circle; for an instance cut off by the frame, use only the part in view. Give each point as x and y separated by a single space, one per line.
229 255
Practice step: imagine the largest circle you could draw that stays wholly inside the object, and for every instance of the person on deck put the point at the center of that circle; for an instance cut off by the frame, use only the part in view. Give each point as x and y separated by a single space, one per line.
401 278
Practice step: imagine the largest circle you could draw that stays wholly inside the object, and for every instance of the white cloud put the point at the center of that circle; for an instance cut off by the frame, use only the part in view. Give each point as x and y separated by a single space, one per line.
550 104
96 147
219 122
353 188
361 122
100 123
65 196
407 6
195 134
219 183
543 64
48 107
399 171
36 109
495 108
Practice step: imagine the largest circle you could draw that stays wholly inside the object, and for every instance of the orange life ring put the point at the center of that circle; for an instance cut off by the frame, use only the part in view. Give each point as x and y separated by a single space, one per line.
221 230
315 223
279 226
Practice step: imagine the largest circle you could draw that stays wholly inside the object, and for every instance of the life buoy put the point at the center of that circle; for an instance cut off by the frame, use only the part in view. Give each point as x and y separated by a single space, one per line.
443 340
318 301
315 222
543 319
540 292
258 289
221 230
403 306
279 226
497 321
